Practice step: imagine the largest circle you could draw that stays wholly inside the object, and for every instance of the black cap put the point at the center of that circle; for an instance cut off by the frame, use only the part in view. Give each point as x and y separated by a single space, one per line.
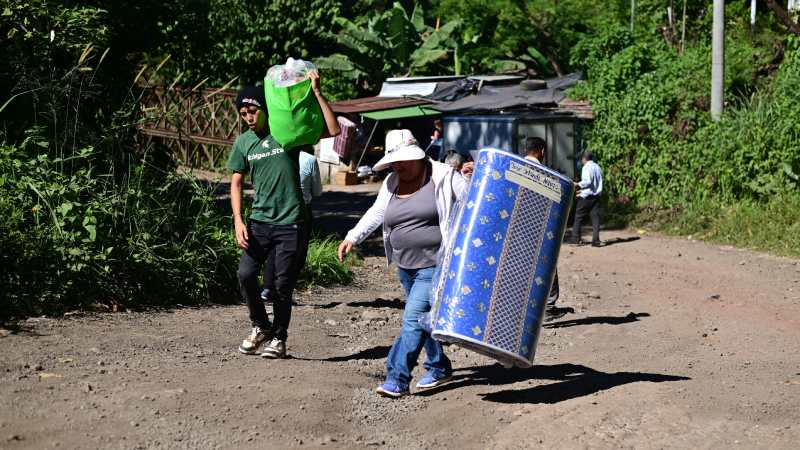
251 95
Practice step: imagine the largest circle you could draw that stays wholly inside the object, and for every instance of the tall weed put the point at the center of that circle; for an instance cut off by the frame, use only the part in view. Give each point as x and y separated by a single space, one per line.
322 265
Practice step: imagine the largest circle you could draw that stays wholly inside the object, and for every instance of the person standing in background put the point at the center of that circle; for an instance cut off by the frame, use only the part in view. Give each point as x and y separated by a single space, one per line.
534 151
589 189
454 160
311 186
435 149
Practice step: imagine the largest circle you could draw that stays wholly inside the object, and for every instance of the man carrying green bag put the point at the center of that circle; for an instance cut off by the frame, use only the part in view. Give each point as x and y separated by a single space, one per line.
277 223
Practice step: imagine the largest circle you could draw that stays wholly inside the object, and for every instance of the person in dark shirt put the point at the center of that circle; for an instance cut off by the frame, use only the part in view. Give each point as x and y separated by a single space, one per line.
535 151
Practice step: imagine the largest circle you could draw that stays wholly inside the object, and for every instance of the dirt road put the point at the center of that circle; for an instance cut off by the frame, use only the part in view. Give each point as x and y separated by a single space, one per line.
672 344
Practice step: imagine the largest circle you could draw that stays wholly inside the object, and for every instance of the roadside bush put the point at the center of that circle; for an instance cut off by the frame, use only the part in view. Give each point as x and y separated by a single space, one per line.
88 238
91 219
659 148
42 67
653 133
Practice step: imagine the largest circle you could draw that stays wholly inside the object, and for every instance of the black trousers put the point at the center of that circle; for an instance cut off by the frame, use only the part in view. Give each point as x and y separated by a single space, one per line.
284 243
587 206
302 254
555 291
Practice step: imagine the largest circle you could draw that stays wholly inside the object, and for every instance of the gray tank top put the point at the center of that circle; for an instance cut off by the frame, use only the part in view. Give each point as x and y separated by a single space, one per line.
413 225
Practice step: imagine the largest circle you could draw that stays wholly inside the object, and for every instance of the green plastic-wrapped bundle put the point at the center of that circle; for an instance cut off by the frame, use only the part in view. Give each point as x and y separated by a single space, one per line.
295 117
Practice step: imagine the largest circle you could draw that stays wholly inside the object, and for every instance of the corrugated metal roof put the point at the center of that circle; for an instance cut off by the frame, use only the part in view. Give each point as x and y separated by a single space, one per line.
506 98
401 113
360 105
580 109
499 97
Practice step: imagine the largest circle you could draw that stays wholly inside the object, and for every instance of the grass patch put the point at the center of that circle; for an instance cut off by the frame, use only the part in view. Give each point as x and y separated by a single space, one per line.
772 226
323 267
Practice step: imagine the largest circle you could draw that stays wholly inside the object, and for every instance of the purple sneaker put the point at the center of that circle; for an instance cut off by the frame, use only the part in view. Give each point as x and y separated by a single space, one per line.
391 390
429 381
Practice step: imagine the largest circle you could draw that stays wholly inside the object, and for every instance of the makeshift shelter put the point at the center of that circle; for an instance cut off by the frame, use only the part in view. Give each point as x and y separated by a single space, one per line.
505 116
399 105
498 111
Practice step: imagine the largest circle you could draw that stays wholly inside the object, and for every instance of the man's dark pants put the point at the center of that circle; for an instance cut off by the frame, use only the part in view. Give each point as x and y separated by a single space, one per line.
555 291
302 253
284 242
587 206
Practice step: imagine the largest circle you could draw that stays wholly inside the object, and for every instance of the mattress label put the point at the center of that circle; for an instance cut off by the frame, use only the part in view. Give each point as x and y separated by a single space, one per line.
536 181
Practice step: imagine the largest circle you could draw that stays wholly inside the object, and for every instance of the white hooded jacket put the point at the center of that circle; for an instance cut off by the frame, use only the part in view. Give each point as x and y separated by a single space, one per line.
449 187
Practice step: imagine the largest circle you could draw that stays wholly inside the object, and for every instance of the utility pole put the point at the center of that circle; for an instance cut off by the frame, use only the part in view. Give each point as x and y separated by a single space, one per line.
633 13
683 28
717 59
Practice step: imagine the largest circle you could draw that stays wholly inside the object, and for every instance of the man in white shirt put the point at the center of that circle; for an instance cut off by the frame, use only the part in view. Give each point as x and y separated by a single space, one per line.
589 189
310 181
311 185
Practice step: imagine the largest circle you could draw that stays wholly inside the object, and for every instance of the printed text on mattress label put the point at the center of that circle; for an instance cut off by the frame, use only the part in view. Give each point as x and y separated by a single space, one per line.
530 178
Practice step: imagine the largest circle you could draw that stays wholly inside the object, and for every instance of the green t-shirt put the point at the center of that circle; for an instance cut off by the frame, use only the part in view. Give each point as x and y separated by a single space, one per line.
275 174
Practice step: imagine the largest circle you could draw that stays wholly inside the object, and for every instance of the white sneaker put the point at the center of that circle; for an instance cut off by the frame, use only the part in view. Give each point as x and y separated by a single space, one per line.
276 349
251 344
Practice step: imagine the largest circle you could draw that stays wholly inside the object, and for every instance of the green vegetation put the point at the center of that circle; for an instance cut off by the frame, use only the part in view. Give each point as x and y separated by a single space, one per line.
772 225
78 237
92 218
89 218
391 43
322 265
661 151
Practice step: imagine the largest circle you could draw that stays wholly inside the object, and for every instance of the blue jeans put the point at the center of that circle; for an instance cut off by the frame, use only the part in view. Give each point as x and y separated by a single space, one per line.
407 347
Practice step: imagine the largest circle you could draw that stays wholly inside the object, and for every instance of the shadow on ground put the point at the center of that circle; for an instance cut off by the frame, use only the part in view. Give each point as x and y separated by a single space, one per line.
18 328
395 303
574 380
378 352
613 241
337 212
620 240
598 320
557 312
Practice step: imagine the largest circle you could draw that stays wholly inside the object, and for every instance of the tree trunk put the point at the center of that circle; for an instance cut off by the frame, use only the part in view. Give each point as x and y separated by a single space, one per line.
555 65
784 17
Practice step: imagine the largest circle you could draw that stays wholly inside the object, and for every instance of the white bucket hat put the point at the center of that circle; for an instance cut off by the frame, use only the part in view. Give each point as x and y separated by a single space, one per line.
400 146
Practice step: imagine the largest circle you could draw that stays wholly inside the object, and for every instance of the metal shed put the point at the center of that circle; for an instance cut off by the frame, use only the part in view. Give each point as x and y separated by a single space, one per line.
562 133
504 116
